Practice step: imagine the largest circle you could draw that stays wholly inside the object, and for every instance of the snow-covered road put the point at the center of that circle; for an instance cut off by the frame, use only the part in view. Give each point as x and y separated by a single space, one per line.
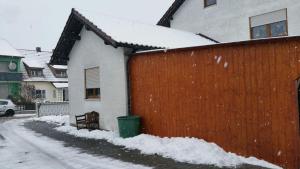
21 148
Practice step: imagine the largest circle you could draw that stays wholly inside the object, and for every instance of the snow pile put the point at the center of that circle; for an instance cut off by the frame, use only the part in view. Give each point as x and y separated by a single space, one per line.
196 151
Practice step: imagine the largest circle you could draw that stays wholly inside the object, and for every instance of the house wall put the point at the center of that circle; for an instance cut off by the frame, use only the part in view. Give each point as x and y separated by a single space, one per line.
228 21
48 87
90 52
242 96
13 87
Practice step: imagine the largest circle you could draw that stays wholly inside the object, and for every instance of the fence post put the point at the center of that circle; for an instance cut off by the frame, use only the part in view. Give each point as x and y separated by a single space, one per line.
37 107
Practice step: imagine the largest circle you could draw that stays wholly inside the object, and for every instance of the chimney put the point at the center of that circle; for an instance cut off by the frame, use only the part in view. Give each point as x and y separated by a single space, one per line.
38 49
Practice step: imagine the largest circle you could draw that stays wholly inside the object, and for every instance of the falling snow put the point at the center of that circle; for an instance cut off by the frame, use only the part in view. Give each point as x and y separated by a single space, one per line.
225 64
219 59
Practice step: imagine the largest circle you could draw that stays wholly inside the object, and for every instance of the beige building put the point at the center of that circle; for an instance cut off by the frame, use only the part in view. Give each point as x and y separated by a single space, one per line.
50 81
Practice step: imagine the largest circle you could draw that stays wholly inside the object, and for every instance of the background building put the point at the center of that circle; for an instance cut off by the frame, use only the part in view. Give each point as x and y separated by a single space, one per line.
230 20
49 83
10 73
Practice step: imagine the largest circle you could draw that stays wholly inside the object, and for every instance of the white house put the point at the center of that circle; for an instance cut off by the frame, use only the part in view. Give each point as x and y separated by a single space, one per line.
96 49
50 81
232 20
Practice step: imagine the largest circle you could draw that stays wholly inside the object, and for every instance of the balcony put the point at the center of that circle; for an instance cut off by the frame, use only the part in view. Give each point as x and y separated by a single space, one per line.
10 76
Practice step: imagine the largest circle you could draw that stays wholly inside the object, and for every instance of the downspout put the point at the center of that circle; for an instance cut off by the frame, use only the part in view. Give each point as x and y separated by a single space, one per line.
128 53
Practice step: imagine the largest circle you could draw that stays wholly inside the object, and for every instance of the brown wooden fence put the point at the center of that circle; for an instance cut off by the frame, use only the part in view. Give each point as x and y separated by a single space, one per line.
242 96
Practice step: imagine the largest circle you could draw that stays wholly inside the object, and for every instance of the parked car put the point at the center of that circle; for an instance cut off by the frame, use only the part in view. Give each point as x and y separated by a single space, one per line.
7 107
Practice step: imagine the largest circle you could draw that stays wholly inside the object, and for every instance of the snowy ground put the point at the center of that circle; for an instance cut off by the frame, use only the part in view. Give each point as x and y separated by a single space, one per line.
23 149
24 115
196 151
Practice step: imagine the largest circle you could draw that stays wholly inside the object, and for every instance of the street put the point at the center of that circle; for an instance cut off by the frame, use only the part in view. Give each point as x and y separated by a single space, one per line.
21 148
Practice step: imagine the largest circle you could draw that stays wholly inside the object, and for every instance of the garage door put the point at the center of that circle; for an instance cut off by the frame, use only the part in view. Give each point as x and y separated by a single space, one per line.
3 91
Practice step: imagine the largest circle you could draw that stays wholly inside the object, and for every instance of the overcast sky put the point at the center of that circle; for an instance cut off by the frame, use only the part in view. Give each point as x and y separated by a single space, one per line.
30 23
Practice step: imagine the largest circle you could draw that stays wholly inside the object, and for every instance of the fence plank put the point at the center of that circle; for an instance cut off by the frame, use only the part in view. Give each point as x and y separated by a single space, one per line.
248 107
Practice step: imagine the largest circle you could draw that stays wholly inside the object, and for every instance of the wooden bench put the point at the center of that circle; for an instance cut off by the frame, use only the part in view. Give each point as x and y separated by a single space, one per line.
88 121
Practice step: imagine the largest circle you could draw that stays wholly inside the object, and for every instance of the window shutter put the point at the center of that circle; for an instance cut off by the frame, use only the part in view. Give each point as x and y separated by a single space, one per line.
268 18
92 78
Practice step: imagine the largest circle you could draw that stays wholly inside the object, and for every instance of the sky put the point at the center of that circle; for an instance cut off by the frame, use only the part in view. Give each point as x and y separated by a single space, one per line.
27 24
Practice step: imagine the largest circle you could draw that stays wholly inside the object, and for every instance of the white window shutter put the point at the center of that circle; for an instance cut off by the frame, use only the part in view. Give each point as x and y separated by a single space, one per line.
268 18
92 78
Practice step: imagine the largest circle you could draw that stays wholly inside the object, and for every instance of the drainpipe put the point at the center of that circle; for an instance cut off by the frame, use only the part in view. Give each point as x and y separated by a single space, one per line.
128 53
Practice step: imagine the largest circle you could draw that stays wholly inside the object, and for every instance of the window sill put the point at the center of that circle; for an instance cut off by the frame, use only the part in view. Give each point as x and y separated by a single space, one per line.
93 99
210 6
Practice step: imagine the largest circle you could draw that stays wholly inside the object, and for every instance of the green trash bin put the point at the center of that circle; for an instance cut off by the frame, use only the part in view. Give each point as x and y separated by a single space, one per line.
129 126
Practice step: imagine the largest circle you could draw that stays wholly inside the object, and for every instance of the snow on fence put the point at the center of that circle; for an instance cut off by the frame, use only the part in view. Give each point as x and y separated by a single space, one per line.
52 108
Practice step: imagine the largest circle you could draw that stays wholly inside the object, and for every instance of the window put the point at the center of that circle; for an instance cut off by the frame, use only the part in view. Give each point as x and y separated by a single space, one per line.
4 67
92 83
36 72
61 73
3 102
40 94
209 2
271 24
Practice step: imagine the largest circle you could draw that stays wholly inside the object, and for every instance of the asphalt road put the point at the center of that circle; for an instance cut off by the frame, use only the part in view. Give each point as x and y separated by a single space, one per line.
34 144
21 148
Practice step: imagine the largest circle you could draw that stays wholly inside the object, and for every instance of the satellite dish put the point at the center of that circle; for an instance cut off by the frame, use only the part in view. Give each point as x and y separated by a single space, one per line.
12 66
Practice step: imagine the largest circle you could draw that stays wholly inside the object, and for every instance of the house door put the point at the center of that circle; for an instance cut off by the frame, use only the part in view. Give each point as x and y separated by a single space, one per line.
3 91
65 94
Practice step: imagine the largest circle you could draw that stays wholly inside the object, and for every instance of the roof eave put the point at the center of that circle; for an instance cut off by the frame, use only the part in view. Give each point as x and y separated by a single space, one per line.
165 20
57 58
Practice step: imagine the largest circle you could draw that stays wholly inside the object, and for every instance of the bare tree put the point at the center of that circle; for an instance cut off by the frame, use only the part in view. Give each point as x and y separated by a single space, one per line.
27 92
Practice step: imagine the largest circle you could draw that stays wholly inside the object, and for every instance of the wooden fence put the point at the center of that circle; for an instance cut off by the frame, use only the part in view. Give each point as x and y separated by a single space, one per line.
242 96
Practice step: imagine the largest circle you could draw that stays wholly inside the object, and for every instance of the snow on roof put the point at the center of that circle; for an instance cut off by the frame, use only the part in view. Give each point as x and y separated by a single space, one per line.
60 85
7 50
129 32
34 59
60 66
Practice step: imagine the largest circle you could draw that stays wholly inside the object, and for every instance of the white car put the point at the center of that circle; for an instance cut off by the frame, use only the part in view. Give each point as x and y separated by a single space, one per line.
7 107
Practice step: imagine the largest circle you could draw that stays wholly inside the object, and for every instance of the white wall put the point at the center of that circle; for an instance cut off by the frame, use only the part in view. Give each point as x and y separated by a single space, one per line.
89 52
229 19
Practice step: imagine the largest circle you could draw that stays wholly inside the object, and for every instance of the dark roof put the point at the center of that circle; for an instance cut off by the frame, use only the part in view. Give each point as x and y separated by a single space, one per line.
168 16
71 33
165 20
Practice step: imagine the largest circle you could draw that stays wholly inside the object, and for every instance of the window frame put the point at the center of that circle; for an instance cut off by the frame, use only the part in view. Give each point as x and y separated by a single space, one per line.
269 35
35 72
42 94
269 30
207 5
94 96
3 103
60 73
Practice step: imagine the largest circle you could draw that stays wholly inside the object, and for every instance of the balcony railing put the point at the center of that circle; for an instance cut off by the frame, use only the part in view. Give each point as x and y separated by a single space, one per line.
10 76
